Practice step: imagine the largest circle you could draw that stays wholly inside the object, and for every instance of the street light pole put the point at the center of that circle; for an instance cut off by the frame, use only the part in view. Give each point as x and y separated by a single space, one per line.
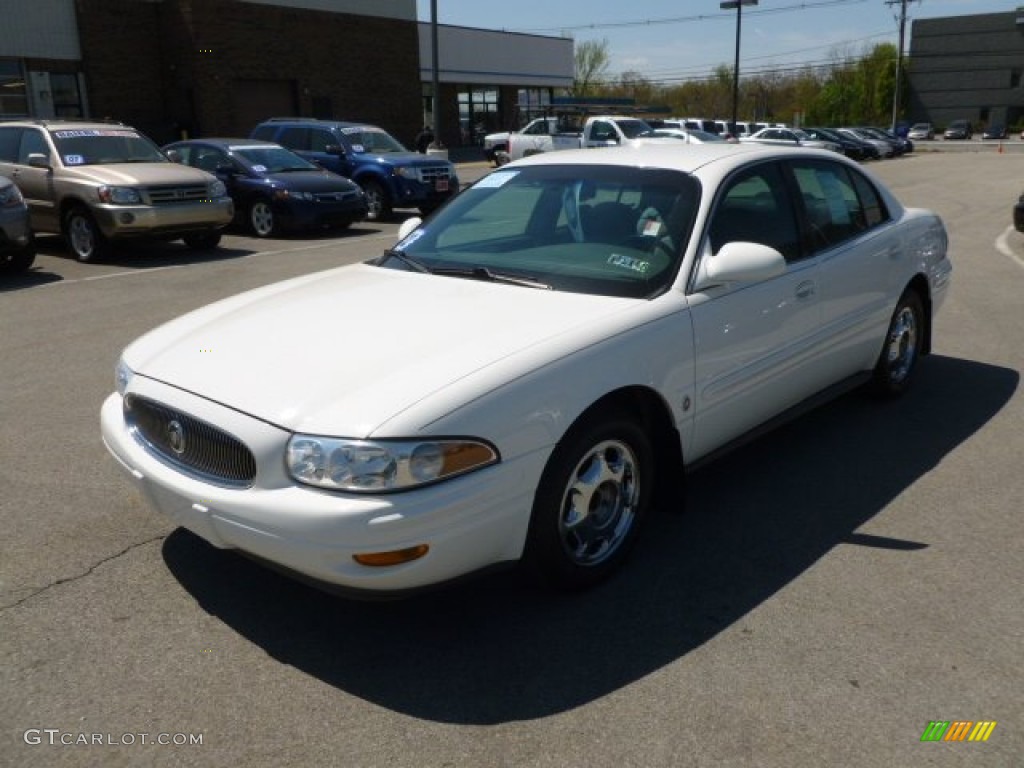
435 78
728 5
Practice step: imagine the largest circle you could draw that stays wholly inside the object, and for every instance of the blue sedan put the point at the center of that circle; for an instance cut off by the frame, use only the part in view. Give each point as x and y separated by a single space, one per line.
273 188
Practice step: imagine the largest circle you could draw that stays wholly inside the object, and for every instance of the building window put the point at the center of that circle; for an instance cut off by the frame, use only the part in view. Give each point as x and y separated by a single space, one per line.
67 99
531 103
1015 78
478 113
13 94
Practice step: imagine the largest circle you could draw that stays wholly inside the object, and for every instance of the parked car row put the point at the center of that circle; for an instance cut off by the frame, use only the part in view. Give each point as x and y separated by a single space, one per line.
99 183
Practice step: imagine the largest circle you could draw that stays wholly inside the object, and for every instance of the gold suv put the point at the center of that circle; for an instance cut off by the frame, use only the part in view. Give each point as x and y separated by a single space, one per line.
97 182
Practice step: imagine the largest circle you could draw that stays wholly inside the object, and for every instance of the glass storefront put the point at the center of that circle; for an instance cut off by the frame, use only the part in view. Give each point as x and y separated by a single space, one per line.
478 113
13 93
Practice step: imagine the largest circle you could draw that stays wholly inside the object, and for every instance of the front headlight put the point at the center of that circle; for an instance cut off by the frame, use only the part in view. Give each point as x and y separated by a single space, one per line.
292 194
119 195
217 189
408 172
369 466
122 376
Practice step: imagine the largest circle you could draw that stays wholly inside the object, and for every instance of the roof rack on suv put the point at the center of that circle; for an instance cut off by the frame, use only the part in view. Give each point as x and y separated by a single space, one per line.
295 120
59 120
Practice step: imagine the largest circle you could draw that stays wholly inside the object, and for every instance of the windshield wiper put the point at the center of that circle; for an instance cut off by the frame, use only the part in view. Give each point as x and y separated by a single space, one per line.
483 273
409 261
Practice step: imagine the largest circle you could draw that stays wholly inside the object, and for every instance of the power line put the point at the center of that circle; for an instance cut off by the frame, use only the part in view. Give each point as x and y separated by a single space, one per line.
685 19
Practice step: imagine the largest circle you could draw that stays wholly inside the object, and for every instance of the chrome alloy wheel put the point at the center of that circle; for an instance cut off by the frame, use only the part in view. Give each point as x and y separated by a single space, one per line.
902 345
599 504
261 218
82 236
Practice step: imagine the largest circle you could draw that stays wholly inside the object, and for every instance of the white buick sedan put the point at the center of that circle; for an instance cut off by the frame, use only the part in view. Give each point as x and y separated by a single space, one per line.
515 379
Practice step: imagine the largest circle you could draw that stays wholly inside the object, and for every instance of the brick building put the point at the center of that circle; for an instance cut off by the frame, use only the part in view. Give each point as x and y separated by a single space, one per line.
217 67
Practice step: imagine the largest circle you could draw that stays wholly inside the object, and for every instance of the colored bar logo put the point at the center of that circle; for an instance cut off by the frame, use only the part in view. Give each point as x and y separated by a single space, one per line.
958 730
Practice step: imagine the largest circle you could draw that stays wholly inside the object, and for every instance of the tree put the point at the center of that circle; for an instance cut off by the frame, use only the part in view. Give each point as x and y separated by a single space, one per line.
591 61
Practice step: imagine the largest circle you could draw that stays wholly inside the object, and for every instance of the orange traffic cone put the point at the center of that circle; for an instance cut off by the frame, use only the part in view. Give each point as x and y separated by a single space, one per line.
1000 150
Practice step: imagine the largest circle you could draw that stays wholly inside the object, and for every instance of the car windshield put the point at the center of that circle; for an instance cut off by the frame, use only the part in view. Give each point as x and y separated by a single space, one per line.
271 159
597 229
104 146
372 140
632 129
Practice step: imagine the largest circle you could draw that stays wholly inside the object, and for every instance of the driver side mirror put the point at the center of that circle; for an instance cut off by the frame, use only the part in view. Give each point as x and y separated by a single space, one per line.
740 261
334 149
38 160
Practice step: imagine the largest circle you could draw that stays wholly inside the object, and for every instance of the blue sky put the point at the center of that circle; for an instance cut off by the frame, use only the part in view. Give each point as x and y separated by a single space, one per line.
671 40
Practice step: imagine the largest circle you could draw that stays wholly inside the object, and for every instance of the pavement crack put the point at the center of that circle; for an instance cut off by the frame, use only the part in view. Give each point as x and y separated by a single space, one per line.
78 576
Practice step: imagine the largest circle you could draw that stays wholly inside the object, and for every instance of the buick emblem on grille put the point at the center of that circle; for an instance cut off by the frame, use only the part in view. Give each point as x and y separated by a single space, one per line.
176 436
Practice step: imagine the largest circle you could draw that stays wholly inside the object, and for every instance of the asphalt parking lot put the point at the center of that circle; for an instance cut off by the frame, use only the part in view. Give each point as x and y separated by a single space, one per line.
831 588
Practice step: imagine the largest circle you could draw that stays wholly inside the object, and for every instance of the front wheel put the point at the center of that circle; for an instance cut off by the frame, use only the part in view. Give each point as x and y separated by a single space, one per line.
17 261
592 497
902 347
82 235
377 201
261 218
202 241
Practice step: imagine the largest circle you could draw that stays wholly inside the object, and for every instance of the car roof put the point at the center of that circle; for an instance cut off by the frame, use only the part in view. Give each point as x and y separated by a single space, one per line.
688 158
225 143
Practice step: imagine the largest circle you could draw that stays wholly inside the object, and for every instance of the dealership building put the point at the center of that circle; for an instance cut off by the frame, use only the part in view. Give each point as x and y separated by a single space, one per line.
967 67
218 67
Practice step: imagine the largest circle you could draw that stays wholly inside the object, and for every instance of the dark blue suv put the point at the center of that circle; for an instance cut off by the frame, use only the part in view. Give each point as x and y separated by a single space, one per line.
390 175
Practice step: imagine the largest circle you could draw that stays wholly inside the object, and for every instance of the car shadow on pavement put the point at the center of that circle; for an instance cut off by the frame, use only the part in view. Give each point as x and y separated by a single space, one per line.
146 254
497 650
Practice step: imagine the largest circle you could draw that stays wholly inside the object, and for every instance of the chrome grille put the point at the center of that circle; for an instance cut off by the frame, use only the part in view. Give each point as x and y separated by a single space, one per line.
175 194
189 443
432 174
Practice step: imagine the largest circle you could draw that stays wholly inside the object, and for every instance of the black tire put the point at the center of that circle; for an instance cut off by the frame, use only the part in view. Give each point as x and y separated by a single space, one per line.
606 465
202 241
377 200
83 237
17 261
901 348
260 218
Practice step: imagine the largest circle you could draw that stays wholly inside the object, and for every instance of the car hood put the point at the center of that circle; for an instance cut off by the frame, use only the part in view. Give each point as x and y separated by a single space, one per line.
139 174
344 351
402 158
312 181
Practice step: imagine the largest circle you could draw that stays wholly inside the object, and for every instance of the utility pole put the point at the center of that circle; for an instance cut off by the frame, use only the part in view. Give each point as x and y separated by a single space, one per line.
435 78
728 5
899 61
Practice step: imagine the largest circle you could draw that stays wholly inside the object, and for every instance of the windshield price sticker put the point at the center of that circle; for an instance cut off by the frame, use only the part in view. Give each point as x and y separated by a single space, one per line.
495 180
628 262
74 160
84 133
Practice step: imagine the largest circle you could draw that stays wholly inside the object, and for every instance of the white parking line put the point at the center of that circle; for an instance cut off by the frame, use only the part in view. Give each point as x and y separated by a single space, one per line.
1003 246
154 270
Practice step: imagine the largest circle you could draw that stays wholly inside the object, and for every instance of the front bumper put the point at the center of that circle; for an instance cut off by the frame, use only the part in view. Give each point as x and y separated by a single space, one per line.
305 214
469 523
15 232
1018 215
178 218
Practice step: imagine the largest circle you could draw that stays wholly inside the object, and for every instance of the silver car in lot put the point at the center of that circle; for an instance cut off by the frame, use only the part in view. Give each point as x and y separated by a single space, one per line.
17 246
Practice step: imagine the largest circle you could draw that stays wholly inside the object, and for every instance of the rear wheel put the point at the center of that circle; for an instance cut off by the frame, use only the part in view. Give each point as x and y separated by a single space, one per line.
82 235
261 218
902 347
377 201
592 498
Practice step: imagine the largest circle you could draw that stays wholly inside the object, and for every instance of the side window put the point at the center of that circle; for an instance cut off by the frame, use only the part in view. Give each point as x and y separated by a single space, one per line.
602 131
875 212
538 128
32 141
264 132
295 137
834 208
208 159
320 139
10 139
755 208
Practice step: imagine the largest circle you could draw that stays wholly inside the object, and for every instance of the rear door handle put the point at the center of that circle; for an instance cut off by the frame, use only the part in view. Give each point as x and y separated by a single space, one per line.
805 289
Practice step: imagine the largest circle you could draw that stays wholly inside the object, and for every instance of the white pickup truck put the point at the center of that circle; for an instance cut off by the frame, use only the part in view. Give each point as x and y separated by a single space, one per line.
542 135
